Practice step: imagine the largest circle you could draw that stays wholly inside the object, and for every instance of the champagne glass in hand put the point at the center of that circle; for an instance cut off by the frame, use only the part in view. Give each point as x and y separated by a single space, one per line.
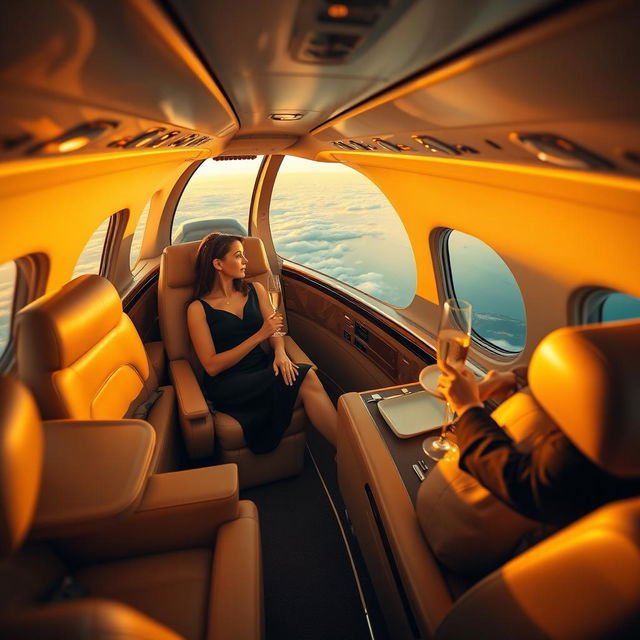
454 337
274 289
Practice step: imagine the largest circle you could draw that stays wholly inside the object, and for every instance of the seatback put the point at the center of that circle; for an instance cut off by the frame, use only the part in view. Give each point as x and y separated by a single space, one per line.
175 291
582 583
80 353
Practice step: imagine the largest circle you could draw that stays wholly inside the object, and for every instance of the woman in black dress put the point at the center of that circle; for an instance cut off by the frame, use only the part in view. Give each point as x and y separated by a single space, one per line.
227 320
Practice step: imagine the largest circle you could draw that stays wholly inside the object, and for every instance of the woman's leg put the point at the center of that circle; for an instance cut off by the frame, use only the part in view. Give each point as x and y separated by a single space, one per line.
319 407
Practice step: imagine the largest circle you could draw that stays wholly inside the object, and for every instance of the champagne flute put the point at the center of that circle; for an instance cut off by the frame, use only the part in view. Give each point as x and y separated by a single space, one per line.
454 337
274 289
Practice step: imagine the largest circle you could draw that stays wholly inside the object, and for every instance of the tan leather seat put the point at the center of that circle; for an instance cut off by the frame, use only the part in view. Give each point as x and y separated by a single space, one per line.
582 582
83 359
201 591
200 428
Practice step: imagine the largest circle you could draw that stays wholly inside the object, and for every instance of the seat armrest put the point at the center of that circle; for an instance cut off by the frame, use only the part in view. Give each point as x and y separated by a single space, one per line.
178 510
196 420
93 472
295 353
80 619
191 402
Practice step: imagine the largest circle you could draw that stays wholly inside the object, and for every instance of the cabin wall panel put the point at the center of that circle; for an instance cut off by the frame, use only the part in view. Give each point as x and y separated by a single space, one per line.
557 230
54 207
318 323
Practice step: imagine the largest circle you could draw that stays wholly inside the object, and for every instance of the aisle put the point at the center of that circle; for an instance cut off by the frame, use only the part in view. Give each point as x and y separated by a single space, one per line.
309 589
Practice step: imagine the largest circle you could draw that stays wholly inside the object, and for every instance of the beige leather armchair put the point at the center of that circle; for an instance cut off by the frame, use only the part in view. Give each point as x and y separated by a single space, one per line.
581 583
167 556
199 426
83 359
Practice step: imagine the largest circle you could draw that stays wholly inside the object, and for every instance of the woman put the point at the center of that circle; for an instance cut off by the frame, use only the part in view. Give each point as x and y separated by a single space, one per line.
227 320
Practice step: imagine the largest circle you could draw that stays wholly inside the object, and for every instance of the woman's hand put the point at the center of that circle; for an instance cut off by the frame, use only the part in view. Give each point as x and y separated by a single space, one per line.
460 389
497 384
272 324
289 370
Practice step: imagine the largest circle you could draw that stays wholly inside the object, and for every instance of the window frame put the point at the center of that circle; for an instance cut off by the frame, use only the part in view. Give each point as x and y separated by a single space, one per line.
448 290
32 274
591 305
109 255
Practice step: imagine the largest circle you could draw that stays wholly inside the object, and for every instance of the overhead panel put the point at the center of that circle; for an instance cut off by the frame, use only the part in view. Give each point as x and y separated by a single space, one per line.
67 68
318 58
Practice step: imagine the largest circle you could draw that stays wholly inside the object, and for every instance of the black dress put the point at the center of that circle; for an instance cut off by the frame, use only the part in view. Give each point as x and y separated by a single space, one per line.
249 391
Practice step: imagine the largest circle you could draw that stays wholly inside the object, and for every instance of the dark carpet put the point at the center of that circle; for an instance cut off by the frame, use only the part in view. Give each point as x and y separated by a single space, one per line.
309 589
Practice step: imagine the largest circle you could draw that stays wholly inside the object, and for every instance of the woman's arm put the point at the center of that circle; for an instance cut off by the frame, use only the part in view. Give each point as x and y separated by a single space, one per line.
281 362
214 363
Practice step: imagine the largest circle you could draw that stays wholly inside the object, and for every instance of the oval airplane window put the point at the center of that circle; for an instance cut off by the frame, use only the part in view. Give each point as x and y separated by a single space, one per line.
619 306
91 256
7 288
480 276
216 198
332 219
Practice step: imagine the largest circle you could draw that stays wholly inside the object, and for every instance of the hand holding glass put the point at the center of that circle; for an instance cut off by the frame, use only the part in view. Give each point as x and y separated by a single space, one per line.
454 337
274 289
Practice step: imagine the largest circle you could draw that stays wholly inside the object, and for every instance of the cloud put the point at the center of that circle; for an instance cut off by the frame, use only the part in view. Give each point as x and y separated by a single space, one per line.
363 207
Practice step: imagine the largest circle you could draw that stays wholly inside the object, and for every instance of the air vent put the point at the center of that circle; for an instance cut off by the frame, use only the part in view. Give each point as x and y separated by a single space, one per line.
554 149
343 145
436 146
332 33
389 146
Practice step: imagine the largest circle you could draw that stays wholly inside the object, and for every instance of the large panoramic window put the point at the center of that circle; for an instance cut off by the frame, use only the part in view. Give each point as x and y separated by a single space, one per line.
333 220
216 198
480 276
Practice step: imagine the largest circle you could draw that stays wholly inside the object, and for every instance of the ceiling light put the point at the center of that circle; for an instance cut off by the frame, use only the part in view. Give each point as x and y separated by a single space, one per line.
285 117
338 11
76 138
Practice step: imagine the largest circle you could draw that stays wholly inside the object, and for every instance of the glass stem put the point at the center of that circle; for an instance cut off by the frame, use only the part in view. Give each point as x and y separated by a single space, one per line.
445 426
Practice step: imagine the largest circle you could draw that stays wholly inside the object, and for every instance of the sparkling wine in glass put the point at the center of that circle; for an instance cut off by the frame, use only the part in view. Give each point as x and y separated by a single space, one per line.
454 337
274 289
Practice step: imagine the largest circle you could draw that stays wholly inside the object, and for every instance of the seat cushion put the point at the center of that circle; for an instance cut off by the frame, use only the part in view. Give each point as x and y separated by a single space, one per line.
171 588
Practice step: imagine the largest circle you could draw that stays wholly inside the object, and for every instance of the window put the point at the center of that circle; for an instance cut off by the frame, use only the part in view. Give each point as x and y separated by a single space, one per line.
91 257
217 198
609 306
334 220
136 242
7 290
480 276
618 306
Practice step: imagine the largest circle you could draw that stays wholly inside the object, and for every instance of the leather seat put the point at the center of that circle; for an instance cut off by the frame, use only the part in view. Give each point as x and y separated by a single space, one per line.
582 582
200 591
83 359
200 428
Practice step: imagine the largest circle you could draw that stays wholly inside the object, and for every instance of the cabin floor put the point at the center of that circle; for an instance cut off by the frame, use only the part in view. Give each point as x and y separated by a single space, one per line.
309 557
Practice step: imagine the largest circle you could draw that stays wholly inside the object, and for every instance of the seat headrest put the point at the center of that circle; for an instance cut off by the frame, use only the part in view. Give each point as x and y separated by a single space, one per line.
180 261
257 264
21 451
587 379
64 325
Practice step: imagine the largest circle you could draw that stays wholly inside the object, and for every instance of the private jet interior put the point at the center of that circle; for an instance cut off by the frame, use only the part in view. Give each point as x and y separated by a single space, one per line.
398 153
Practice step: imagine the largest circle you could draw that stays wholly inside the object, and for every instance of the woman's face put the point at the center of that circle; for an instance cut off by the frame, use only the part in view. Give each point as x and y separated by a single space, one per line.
234 263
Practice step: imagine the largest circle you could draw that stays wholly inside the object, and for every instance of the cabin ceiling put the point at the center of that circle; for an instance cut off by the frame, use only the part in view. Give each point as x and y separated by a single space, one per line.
256 50
489 80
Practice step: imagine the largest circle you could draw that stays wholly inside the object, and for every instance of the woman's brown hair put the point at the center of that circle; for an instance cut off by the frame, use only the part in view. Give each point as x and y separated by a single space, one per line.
215 245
